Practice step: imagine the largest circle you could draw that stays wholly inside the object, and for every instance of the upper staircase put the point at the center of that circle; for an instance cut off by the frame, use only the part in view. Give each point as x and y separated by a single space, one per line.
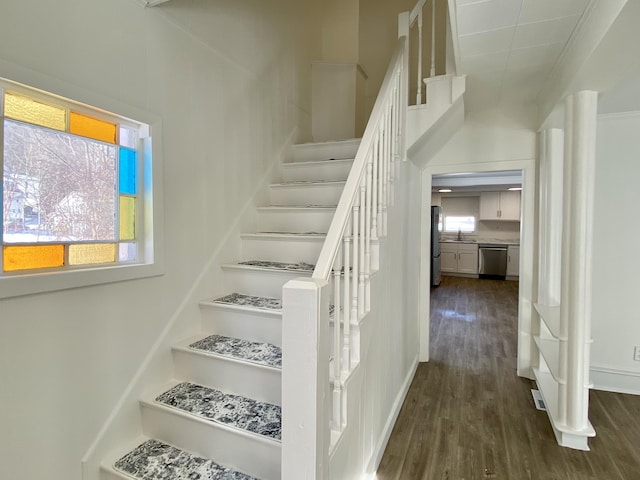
220 416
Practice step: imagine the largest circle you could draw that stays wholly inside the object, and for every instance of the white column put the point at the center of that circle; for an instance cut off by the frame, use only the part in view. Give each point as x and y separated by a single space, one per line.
579 165
550 216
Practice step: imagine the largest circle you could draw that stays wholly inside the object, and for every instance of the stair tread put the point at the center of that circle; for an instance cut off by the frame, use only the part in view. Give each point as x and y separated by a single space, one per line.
236 411
155 460
302 183
298 207
285 234
242 300
260 353
280 266
317 162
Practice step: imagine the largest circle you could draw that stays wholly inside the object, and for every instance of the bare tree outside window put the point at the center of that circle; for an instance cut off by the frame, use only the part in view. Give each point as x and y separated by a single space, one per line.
57 186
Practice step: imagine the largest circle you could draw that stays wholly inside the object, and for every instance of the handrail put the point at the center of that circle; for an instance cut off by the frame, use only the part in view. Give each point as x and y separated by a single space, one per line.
416 10
354 181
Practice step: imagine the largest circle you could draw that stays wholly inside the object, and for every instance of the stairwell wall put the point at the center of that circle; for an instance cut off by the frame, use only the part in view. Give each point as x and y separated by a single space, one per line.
231 82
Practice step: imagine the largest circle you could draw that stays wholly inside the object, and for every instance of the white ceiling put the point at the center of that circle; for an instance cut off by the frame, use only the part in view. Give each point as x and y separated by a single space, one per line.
507 48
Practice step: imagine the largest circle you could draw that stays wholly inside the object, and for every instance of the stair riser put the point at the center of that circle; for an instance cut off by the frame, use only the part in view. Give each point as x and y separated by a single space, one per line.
288 250
239 324
250 455
328 171
259 282
325 150
295 221
253 381
306 194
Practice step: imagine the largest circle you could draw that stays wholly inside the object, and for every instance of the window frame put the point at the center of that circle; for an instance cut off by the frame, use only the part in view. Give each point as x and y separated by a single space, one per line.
150 232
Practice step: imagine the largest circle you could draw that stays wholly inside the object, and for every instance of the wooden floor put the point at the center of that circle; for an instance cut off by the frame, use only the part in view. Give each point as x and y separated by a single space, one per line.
468 416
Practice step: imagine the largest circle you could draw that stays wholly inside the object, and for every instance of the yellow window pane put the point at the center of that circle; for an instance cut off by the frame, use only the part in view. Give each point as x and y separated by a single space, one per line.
29 110
86 254
127 218
27 257
92 128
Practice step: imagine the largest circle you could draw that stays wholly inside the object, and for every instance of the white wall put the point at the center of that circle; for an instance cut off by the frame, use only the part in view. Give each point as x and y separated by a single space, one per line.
231 81
616 266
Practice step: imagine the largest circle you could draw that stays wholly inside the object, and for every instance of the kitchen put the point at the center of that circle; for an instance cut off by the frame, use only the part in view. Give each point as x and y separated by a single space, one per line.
476 225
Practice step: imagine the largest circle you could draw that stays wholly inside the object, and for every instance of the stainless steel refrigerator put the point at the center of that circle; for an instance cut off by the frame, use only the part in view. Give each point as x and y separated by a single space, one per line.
435 246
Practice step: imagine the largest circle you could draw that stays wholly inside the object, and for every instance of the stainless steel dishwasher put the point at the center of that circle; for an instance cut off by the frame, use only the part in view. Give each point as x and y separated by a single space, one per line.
492 261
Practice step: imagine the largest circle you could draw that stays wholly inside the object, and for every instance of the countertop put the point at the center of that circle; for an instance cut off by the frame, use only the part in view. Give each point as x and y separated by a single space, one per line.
494 241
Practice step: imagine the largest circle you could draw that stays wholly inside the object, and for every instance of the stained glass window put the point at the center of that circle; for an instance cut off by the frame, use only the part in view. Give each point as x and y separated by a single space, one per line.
92 127
92 253
34 111
70 183
29 257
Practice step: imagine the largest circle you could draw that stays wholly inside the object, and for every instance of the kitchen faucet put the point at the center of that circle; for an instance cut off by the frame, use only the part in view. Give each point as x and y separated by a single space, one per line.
459 235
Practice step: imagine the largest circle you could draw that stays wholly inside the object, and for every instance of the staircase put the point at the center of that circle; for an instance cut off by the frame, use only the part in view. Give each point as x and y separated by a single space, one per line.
220 417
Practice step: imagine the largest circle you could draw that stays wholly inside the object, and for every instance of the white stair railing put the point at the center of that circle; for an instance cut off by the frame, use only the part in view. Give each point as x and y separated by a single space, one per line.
415 19
313 380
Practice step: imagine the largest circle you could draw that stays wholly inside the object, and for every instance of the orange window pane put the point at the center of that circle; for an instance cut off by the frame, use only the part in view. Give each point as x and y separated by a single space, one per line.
92 128
27 257
92 253
33 111
127 218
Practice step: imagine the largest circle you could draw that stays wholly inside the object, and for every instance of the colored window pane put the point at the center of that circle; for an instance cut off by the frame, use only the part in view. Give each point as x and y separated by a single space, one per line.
127 137
91 253
127 218
127 171
128 252
32 256
92 127
29 110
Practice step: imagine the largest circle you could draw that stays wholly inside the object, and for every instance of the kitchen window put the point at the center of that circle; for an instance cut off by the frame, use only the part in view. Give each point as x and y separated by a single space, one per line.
77 185
464 224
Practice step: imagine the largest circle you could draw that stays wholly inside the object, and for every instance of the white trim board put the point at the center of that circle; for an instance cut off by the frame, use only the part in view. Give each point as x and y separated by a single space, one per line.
615 380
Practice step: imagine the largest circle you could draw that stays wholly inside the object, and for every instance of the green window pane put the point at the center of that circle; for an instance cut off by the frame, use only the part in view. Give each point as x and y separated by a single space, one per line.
128 165
127 218
92 253
29 110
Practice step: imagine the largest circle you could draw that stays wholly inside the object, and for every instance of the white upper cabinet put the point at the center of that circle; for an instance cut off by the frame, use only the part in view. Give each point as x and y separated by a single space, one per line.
500 206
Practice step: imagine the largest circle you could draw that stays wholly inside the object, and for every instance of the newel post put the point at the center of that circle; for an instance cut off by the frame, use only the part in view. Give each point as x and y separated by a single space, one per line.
305 380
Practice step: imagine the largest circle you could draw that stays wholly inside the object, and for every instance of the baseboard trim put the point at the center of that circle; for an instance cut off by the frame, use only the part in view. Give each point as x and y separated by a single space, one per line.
615 380
391 421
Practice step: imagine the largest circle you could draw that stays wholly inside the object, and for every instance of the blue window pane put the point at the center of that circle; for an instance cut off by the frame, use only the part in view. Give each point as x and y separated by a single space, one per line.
127 171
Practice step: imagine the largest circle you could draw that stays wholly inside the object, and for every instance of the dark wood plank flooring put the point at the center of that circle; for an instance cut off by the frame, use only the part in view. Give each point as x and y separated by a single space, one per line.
469 416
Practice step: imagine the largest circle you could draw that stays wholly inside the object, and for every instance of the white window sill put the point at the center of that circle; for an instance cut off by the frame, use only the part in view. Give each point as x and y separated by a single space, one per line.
28 284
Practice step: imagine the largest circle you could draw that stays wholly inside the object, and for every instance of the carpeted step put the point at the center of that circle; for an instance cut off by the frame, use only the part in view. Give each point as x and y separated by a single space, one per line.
290 267
232 410
241 300
155 460
261 353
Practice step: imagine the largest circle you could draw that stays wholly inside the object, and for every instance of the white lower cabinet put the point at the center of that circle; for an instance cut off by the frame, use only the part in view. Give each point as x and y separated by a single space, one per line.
459 258
513 261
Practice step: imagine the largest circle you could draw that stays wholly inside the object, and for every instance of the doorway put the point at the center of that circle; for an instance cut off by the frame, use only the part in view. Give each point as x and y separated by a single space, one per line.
487 173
